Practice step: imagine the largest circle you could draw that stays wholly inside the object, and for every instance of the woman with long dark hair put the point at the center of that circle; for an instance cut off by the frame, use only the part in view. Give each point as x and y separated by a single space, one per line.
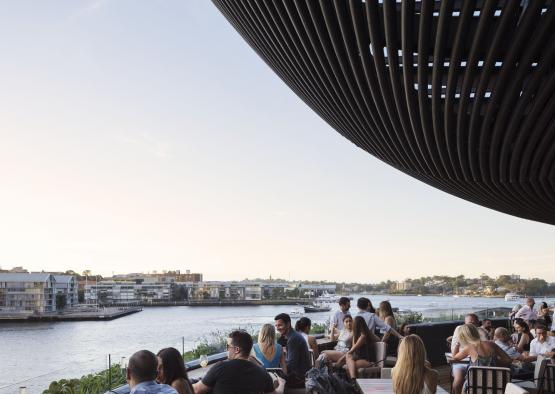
524 337
303 327
358 355
172 371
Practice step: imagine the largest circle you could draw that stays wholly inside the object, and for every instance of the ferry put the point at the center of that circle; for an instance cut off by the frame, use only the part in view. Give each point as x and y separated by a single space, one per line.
512 297
316 308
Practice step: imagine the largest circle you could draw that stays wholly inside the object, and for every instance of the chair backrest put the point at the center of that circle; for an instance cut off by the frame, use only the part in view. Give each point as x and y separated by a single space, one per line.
539 373
386 373
548 385
380 353
514 389
487 380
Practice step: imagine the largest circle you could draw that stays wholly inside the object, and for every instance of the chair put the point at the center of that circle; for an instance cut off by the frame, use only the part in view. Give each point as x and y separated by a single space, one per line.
537 385
514 389
379 353
487 380
549 379
386 373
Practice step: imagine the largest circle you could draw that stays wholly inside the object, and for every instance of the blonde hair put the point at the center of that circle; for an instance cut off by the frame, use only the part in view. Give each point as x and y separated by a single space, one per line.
408 373
469 335
267 341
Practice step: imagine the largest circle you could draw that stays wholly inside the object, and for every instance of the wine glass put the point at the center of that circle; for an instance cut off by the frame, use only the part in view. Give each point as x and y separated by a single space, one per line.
203 360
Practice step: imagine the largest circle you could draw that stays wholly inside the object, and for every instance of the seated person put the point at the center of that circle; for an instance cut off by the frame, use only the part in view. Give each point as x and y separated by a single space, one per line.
337 318
303 327
412 373
172 371
502 339
236 375
267 351
542 345
344 341
297 356
141 374
373 321
359 355
404 329
488 327
523 337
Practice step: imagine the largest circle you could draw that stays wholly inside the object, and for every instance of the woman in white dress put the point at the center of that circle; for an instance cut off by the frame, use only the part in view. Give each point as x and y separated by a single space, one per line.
344 340
412 374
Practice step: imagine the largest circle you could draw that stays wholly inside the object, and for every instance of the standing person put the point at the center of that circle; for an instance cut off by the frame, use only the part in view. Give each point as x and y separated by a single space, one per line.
527 312
542 345
172 371
236 375
344 343
544 316
336 318
303 327
524 337
373 321
141 374
267 351
411 374
386 315
358 355
297 356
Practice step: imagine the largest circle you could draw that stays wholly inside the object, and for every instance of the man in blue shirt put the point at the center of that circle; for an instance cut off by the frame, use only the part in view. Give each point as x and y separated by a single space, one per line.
141 375
297 356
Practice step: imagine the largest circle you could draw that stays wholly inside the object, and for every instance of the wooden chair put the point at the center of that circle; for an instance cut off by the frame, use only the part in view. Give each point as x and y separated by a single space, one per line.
487 380
379 352
537 385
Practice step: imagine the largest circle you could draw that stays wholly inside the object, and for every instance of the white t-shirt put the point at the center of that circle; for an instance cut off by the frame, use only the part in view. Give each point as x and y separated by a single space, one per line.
526 313
537 348
337 319
373 321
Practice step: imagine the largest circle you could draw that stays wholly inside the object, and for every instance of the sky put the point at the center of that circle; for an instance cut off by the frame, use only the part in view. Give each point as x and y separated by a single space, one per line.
146 135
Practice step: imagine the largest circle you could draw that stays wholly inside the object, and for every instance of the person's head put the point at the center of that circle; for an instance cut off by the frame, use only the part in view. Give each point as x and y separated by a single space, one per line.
501 334
530 302
142 367
170 366
283 323
348 322
543 305
486 323
344 304
541 333
267 336
303 325
385 309
469 335
404 329
408 373
360 328
521 326
370 307
472 318
239 344
362 303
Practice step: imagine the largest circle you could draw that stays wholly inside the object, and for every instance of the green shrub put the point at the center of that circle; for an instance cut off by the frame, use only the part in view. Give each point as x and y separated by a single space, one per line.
88 384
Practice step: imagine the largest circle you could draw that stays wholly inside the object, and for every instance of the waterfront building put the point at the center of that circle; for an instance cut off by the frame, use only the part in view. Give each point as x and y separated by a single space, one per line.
111 293
66 286
27 293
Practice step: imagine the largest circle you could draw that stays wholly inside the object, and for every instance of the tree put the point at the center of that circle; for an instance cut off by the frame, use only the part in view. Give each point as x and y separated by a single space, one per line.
61 301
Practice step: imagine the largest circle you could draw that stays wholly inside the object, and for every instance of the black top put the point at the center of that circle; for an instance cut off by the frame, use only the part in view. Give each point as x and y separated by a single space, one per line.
525 348
297 356
238 377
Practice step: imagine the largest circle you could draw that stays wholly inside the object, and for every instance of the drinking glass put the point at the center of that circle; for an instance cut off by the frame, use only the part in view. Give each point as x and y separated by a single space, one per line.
203 360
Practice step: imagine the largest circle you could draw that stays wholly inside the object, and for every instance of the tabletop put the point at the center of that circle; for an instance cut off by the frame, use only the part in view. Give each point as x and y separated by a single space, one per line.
382 386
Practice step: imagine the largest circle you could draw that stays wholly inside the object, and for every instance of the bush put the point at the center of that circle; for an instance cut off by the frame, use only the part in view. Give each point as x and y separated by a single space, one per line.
88 384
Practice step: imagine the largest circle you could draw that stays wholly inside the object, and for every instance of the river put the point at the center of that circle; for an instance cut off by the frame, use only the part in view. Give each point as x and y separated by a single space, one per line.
34 354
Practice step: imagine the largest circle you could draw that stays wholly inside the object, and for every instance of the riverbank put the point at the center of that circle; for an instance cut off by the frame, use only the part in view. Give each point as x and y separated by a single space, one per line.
101 314
295 301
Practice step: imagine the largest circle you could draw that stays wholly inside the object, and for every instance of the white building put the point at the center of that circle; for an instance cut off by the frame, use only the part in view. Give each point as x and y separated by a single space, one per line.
66 285
31 293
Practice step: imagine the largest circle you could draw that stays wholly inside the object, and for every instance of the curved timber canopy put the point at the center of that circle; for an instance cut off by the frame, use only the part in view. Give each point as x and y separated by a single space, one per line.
458 94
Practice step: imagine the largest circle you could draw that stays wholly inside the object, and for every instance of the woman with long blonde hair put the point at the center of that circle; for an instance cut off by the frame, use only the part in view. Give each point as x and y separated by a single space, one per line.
267 351
411 374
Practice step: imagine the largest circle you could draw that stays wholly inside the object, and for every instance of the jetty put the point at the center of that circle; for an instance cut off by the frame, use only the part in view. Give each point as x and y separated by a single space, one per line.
75 314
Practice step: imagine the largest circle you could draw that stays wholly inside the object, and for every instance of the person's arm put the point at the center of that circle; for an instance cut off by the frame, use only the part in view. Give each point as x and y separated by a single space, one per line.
524 340
269 386
520 312
503 358
201 388
313 346
461 355
360 342
282 362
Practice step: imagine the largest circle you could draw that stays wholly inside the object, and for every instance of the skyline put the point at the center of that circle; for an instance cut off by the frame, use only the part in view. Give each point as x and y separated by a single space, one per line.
136 136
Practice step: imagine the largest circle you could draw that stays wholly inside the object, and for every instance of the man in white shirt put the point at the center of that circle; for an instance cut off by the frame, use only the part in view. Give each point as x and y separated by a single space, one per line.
337 317
542 345
527 312
373 321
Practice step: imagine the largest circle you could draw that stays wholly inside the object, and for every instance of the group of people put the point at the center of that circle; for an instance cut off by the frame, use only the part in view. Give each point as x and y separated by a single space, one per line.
486 346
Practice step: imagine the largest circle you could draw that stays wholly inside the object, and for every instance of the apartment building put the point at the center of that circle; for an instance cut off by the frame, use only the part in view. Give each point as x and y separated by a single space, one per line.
27 293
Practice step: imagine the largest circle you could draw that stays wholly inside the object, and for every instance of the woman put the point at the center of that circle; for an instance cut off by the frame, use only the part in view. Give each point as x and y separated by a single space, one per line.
344 340
171 371
386 314
481 353
543 314
358 355
524 337
267 351
303 327
411 374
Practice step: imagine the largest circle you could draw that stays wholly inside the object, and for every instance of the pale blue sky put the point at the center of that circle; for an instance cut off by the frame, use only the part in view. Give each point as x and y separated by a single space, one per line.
147 135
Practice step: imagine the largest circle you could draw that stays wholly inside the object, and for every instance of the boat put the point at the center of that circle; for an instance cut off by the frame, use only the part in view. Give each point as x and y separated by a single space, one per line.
316 308
297 311
512 297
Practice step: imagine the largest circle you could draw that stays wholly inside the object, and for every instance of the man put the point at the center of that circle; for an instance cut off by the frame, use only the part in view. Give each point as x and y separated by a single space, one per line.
503 340
459 370
527 312
542 345
297 356
487 327
141 374
236 375
373 321
336 319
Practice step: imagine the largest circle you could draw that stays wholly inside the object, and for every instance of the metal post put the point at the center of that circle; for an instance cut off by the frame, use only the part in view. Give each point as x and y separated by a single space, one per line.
182 345
109 371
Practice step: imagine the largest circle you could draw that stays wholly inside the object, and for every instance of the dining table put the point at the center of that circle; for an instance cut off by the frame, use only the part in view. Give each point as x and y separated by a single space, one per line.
381 386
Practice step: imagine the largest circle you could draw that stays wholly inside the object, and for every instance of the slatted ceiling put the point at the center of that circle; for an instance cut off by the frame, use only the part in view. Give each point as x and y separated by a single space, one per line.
458 94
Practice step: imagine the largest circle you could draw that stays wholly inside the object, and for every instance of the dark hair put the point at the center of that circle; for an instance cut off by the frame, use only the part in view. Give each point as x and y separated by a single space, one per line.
143 366
347 316
385 307
172 365
344 301
362 303
302 324
361 328
544 305
284 317
242 340
474 317
523 324
485 320
371 309
540 326
402 328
